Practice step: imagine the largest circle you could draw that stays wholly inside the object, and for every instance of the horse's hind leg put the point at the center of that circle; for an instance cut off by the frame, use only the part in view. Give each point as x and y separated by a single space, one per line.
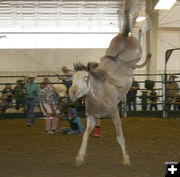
120 137
91 122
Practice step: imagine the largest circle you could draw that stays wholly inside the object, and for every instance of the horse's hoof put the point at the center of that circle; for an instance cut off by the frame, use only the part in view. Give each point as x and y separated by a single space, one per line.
79 161
126 160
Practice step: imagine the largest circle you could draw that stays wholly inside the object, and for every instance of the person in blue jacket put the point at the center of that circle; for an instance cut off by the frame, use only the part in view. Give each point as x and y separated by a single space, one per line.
76 126
33 91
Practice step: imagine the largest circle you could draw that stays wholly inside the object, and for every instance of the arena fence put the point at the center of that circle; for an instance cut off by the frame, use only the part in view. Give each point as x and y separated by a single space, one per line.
165 106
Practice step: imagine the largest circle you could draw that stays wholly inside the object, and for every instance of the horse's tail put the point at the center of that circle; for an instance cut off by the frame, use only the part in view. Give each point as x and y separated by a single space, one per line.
129 4
141 39
148 56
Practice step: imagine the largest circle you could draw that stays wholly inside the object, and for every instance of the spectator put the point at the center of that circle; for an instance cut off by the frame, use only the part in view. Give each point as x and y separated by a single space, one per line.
3 104
144 98
97 132
121 108
172 92
67 79
43 85
49 97
8 94
46 80
33 91
76 126
131 96
20 94
177 101
153 100
97 129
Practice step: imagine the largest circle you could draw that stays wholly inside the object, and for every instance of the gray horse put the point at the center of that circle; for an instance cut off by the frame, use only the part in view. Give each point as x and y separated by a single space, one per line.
107 84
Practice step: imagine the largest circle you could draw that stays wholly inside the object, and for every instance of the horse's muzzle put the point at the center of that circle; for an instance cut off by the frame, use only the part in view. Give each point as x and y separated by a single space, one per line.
73 93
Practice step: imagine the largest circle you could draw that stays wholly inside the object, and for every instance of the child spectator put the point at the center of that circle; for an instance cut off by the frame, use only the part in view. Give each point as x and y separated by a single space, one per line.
153 100
76 126
97 132
20 93
144 98
131 95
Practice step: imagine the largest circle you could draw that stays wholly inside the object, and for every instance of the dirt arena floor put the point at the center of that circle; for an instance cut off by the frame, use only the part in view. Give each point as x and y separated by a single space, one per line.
30 152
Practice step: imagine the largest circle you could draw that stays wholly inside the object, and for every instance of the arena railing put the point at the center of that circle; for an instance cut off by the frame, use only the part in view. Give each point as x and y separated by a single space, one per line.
160 87
162 102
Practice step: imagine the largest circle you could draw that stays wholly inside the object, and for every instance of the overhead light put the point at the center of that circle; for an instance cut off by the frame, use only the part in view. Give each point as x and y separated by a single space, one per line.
164 4
140 19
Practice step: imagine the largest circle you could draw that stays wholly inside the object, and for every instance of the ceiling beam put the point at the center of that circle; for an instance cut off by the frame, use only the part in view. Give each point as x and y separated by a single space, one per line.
169 29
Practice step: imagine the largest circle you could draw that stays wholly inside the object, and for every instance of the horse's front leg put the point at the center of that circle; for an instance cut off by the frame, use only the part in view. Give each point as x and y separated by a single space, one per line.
91 122
120 136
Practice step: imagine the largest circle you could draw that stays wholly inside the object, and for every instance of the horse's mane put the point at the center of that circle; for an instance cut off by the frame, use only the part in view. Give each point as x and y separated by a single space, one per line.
99 75
91 68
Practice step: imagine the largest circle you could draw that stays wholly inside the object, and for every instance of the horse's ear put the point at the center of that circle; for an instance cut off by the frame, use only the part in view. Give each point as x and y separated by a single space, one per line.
74 65
88 67
92 65
79 67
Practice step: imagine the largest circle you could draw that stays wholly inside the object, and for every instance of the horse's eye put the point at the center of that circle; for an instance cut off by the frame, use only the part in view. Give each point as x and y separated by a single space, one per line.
86 78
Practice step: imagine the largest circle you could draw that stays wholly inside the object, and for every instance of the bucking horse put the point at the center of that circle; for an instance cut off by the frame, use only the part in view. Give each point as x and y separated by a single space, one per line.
107 84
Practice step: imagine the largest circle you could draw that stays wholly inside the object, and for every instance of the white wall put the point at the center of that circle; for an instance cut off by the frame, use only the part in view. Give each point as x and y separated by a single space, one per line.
46 60
43 60
168 40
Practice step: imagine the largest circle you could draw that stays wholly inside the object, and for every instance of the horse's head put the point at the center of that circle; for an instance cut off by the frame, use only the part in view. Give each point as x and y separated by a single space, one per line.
83 78
80 82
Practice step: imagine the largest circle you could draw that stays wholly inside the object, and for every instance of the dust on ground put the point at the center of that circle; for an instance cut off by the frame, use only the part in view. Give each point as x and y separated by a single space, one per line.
30 152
